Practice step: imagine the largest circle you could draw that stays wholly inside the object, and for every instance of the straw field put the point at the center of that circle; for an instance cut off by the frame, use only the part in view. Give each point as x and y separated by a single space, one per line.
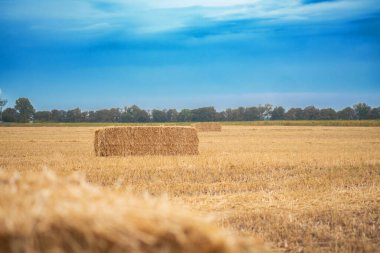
146 140
299 189
44 213
207 126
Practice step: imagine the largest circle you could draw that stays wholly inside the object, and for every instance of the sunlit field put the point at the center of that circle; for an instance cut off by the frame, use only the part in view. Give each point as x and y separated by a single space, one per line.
299 188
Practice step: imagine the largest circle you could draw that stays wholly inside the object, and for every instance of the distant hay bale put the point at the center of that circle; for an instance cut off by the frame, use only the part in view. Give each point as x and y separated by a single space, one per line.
146 140
207 126
41 213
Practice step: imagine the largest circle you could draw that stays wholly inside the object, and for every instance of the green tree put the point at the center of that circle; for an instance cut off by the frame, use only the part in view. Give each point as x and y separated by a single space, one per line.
265 111
126 115
239 114
362 110
42 116
102 116
229 115
85 116
327 114
3 102
310 113
278 113
158 116
10 115
74 115
91 116
115 114
251 113
185 115
375 113
220 116
204 114
346 114
105 115
25 110
134 114
58 115
171 115
294 114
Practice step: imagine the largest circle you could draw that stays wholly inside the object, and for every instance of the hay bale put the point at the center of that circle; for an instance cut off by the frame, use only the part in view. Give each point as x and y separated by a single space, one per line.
41 213
146 140
207 126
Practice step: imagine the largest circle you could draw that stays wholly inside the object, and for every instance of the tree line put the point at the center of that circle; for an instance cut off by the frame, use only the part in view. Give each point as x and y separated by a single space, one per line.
24 111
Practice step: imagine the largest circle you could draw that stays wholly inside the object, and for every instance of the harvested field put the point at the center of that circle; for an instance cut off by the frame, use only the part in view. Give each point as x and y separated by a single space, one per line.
44 213
146 140
301 189
207 126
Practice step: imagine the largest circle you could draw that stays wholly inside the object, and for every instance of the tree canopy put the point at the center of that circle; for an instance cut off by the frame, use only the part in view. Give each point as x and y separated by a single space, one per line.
3 102
24 109
25 112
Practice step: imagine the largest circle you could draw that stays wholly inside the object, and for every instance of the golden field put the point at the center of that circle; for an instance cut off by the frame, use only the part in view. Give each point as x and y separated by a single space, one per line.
300 189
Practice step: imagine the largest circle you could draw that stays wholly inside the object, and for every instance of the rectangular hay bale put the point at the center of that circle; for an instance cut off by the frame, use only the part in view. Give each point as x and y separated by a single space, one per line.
207 127
146 140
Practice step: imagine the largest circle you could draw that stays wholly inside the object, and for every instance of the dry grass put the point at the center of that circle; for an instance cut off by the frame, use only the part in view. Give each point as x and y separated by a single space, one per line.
207 126
146 140
311 189
44 213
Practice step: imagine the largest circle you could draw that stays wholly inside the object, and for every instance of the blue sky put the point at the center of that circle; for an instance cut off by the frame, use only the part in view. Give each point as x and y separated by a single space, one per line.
185 54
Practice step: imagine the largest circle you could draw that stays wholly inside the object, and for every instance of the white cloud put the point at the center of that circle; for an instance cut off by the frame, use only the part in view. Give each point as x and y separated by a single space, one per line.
202 3
163 15
294 10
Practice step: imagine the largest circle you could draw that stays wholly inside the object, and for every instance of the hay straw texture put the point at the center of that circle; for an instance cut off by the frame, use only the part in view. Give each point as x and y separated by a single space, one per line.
45 213
144 140
207 127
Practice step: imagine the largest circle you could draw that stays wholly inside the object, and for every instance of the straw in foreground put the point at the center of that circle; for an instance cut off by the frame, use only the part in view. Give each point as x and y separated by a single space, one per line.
44 213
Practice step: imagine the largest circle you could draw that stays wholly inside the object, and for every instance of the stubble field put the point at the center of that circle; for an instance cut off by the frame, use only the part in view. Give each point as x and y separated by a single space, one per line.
300 189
